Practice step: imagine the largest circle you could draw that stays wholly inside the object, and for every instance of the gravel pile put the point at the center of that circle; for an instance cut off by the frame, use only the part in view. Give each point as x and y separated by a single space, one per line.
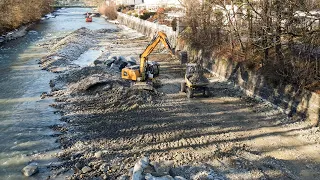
98 89
96 164
165 170
75 75
198 78
64 50
67 49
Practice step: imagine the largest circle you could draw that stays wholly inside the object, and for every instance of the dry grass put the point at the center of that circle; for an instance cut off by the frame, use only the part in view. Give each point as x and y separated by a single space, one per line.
15 13
109 11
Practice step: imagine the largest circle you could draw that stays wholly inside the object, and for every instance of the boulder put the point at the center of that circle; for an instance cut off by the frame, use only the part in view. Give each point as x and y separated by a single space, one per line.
30 170
130 58
97 62
131 63
150 177
78 166
112 57
179 178
162 168
109 62
121 58
202 175
98 154
33 32
115 67
86 169
104 167
122 65
138 168
123 177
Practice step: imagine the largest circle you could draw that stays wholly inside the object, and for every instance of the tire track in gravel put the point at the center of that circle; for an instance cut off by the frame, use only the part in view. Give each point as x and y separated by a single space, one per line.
228 131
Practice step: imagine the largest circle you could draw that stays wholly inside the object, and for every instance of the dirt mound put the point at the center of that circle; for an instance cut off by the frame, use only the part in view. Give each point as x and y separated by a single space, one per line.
198 78
104 96
133 98
96 89
75 75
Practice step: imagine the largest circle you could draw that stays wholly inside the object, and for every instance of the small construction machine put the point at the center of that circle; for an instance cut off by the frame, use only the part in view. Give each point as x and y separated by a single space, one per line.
195 81
88 17
142 75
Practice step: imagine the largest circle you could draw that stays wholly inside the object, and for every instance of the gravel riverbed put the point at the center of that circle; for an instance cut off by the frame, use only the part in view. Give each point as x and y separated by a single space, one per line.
114 132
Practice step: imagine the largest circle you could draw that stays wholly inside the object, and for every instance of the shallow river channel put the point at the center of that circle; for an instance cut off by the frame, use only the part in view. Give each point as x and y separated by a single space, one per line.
25 118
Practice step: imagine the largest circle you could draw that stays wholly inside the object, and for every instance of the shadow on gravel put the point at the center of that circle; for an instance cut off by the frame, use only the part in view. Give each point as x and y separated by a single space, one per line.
214 129
219 130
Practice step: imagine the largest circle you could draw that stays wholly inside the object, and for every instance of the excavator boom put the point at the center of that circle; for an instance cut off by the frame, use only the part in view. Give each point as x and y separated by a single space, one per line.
161 36
142 74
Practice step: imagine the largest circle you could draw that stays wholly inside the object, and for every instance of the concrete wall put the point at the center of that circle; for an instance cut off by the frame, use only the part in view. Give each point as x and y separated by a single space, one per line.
147 28
295 103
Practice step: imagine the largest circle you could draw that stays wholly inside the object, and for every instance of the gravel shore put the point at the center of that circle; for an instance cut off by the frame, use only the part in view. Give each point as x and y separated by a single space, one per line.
115 132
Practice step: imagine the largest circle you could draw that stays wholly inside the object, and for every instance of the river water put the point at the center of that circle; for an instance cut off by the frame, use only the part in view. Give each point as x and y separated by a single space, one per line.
25 119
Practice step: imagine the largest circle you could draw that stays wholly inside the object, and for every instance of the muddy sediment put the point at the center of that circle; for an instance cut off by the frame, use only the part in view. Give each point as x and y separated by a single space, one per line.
115 132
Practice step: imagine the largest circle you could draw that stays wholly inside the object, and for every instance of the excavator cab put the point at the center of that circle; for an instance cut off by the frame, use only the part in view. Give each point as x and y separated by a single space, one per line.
152 70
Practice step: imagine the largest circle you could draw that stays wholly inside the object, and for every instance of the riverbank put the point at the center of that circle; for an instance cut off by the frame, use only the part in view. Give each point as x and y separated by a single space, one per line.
22 30
26 137
113 132
17 13
17 33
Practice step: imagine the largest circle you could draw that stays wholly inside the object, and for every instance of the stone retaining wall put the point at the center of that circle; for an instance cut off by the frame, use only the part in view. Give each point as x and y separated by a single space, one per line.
147 28
304 104
298 104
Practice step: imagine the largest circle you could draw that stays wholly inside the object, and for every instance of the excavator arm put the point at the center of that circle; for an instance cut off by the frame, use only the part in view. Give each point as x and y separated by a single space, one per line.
161 36
142 72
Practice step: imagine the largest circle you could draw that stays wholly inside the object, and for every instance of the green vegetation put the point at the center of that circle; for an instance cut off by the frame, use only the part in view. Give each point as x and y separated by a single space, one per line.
146 15
15 13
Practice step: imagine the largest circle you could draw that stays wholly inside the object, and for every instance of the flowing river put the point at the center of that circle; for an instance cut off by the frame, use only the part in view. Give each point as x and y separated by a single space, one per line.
25 118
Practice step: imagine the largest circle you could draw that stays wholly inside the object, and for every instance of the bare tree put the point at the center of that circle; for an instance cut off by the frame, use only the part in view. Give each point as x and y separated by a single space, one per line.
281 37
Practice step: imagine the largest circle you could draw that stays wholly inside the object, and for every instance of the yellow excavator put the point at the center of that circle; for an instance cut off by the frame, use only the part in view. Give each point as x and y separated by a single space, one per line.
143 74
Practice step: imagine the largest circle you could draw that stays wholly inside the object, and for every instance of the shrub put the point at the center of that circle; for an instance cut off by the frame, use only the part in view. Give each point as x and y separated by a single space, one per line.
146 15
120 8
109 11
174 24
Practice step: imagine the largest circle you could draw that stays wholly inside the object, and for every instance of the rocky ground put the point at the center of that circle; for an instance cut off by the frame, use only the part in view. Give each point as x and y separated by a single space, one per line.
115 132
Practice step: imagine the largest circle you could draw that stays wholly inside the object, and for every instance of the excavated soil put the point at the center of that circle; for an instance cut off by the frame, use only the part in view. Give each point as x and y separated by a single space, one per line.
110 127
